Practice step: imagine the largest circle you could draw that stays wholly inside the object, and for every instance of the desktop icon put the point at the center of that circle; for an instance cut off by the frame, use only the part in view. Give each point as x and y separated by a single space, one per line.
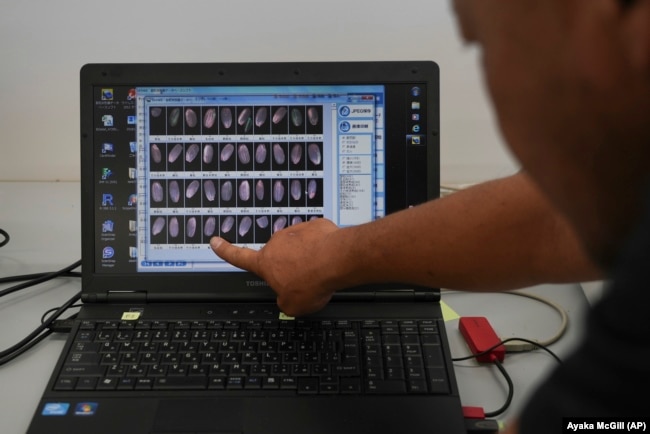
108 226
107 94
107 199
415 105
106 173
107 120
108 148
133 200
416 91
108 252
130 120
133 147
131 95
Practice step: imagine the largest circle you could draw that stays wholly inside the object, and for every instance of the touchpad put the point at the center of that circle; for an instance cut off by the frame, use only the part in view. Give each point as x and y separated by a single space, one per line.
220 416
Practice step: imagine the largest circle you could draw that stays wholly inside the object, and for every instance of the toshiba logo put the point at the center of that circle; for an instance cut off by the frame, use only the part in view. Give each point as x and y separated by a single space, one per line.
256 283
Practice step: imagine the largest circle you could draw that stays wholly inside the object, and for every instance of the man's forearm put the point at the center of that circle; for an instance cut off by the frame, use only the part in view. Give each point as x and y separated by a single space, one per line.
498 235
494 236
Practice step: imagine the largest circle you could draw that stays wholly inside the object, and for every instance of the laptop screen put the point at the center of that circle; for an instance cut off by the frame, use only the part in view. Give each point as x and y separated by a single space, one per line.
174 163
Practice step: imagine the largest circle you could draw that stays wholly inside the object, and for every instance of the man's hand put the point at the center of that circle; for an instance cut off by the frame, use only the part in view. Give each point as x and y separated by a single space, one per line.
298 263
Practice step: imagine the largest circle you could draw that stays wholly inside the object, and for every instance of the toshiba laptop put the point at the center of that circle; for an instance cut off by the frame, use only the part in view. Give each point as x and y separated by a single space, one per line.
170 338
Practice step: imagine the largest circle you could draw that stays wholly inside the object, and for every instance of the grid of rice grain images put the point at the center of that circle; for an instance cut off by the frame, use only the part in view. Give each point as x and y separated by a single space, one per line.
232 186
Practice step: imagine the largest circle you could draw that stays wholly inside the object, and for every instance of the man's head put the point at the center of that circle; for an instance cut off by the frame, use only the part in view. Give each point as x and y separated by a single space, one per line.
570 83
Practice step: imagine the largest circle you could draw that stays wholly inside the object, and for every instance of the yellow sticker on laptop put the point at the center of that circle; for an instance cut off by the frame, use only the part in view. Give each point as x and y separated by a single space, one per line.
286 317
130 316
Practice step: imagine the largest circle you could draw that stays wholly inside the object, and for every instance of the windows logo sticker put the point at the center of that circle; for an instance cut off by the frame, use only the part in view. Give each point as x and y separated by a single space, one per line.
85 409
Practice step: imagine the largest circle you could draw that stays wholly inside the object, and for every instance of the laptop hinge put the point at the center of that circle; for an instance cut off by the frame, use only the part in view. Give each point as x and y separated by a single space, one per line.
405 295
117 297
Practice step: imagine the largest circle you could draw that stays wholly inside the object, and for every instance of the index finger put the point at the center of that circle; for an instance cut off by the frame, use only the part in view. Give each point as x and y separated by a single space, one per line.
238 256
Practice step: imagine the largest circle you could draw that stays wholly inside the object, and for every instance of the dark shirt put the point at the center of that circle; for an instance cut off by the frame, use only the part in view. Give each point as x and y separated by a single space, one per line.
609 373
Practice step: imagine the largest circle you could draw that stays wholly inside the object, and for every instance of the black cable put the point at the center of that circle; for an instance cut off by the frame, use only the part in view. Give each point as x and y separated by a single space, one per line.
44 330
25 348
47 312
498 364
511 389
23 277
43 278
40 333
5 237
489 350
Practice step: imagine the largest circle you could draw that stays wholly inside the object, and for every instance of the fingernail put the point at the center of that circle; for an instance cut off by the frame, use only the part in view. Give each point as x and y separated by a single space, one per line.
215 242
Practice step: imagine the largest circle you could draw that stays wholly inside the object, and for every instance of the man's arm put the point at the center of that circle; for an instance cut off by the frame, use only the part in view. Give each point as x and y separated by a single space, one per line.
498 235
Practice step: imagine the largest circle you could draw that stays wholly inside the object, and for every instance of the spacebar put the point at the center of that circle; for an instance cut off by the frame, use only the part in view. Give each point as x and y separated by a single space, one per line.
180 383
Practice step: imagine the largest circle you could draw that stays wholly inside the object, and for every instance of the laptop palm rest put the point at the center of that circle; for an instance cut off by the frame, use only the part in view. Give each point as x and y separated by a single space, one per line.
281 415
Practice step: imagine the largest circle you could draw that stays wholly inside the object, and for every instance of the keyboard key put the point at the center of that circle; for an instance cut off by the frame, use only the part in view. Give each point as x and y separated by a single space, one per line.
329 389
438 382
144 383
253 383
350 385
273 382
417 386
235 383
65 383
83 358
85 347
86 383
308 385
217 383
107 383
126 383
84 370
180 383
433 356
385 386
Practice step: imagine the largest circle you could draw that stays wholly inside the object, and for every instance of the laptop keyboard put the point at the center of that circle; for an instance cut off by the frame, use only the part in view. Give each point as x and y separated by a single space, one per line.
306 357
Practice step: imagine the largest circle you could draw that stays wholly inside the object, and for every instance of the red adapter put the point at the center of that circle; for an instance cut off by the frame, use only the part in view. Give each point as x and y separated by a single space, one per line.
480 337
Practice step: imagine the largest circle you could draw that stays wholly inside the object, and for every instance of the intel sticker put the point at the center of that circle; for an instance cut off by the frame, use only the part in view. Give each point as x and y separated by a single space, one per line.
55 409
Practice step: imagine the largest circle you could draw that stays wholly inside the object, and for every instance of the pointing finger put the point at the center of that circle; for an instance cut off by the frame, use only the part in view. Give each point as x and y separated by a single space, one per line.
237 256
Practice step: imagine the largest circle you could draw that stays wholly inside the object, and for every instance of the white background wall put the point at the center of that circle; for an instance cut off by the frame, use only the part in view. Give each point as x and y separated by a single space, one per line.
43 44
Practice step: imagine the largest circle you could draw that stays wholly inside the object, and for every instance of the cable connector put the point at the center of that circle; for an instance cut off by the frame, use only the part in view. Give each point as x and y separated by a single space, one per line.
481 339
481 426
62 325
475 421
473 412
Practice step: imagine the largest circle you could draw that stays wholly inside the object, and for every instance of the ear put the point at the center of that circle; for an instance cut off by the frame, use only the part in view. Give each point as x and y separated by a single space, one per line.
636 34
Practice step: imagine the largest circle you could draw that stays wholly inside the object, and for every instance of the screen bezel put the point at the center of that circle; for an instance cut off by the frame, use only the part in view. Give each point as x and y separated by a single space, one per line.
232 285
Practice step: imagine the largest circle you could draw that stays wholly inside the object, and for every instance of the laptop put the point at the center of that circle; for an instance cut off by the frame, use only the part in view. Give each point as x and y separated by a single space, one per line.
170 338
